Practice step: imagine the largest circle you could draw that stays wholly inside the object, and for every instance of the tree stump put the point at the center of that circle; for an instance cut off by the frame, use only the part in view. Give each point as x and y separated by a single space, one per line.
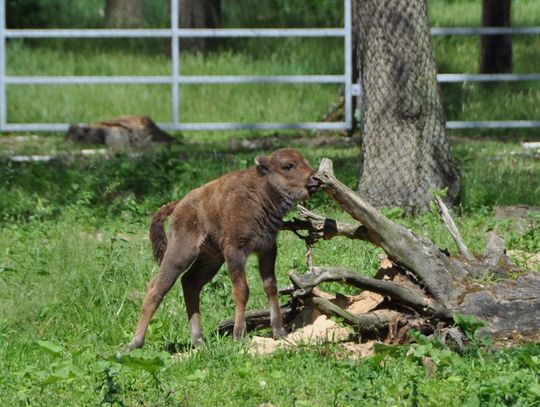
119 133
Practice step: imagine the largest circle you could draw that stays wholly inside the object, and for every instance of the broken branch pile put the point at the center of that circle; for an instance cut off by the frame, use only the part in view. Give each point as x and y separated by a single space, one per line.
418 285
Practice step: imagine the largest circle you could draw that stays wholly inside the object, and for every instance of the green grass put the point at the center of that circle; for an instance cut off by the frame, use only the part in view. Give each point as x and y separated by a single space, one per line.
74 261
467 13
280 103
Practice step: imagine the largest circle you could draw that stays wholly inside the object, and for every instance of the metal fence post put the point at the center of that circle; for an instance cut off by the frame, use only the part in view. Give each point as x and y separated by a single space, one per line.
3 97
348 64
175 63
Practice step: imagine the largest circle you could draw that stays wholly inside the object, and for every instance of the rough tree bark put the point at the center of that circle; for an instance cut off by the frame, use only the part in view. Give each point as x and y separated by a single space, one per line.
198 14
124 13
496 50
421 285
405 153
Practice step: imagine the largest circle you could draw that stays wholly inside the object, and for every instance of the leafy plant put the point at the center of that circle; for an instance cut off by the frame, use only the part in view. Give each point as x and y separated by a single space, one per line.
139 359
469 325
108 385
50 347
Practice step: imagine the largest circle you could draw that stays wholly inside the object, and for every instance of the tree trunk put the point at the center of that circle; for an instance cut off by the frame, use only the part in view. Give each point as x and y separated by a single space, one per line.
496 50
124 13
198 14
405 151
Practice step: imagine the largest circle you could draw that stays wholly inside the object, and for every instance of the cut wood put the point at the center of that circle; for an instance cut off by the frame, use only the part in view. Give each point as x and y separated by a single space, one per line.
412 297
371 322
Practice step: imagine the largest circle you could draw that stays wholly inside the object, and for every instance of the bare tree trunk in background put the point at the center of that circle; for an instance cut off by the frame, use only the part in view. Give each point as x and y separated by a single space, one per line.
496 50
198 14
405 152
124 13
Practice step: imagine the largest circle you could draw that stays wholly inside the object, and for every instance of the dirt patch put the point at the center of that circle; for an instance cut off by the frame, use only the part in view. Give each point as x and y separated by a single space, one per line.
321 330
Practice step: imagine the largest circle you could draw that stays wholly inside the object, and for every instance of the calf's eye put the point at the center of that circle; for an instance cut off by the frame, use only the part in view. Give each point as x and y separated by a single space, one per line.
288 166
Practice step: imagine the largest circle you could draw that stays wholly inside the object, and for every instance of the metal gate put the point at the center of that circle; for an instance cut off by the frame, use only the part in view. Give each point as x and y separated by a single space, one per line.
175 79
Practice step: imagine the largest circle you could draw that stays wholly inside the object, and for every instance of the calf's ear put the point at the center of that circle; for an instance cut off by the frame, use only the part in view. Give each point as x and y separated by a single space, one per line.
263 165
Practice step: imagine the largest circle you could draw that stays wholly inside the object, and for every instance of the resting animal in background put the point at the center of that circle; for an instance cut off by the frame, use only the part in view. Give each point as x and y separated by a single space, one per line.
225 220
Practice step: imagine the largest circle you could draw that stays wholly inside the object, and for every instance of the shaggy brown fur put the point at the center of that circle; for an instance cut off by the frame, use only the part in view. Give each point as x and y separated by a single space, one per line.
224 221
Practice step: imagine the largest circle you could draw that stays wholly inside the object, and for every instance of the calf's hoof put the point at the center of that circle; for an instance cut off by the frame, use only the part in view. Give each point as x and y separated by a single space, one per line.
278 333
197 342
136 344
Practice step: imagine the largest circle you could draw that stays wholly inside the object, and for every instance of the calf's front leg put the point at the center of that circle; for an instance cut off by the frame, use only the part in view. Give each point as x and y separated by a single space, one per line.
267 262
236 263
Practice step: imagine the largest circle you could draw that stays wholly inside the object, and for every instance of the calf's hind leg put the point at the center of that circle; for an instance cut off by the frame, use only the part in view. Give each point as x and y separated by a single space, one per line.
177 259
200 274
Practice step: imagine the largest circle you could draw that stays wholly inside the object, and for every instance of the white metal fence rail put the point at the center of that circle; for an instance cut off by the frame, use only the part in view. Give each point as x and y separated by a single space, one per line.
175 79
446 78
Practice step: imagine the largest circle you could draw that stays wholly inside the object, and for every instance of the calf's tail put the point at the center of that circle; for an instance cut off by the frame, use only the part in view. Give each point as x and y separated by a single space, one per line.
158 237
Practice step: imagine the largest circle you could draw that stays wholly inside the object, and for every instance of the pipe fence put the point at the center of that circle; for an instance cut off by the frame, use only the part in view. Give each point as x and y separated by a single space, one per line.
175 79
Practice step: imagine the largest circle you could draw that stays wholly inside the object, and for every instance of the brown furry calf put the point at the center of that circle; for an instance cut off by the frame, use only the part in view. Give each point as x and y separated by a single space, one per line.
224 221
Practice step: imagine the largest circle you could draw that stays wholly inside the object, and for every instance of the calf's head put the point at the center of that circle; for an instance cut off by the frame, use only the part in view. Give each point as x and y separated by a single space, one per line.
289 172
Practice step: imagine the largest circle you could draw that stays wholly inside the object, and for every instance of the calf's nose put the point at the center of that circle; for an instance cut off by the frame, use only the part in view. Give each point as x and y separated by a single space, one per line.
313 184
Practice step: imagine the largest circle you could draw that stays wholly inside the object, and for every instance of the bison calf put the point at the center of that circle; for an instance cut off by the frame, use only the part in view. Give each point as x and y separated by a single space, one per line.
224 221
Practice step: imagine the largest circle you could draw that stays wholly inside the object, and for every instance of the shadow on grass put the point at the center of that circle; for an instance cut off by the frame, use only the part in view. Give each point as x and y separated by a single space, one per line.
492 172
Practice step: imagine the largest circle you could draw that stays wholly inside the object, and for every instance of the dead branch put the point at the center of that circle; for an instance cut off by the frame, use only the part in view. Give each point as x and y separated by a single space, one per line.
370 322
257 319
453 230
408 296
320 227
415 253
